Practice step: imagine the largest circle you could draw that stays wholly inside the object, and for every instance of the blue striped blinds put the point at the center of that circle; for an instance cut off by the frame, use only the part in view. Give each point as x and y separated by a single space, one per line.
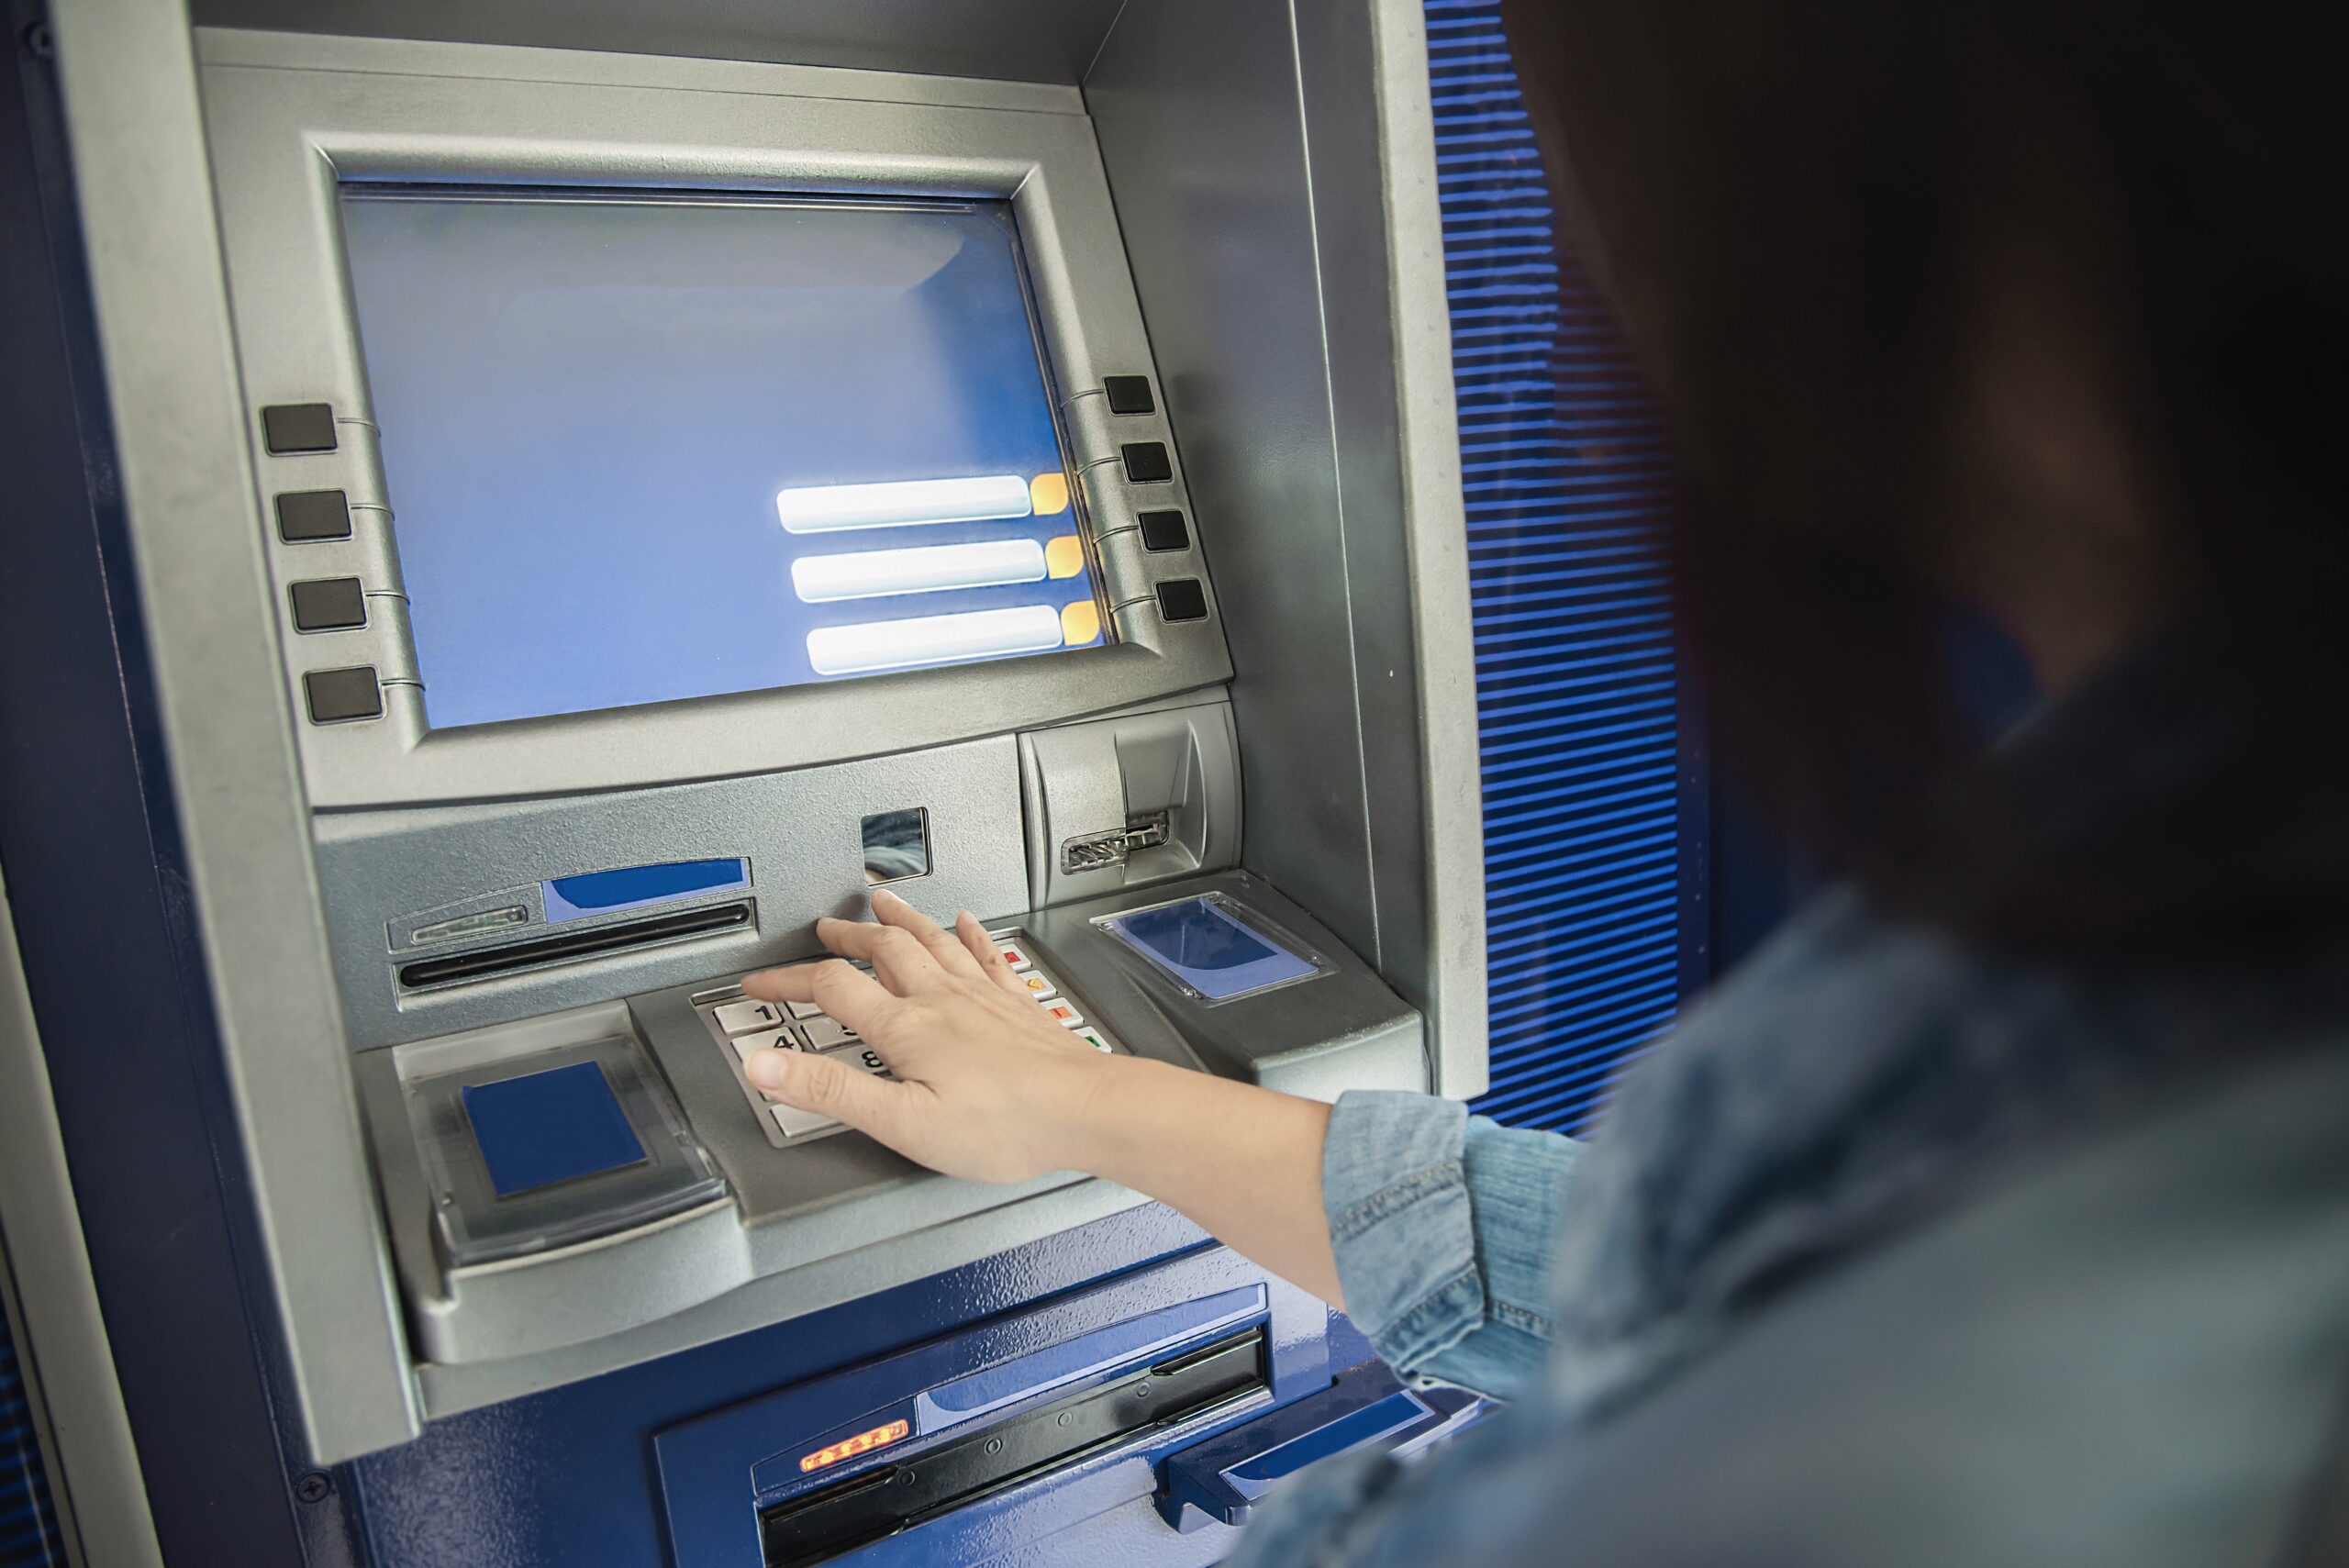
29 1532
1565 465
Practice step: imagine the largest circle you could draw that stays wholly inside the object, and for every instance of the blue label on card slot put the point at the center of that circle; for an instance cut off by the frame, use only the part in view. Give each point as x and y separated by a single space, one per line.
635 887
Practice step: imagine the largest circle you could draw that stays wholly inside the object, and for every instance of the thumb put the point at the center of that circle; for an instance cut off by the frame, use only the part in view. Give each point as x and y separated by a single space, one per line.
828 1087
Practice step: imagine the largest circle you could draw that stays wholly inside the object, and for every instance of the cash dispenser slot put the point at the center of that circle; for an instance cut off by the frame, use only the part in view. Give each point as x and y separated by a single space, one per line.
875 1503
481 964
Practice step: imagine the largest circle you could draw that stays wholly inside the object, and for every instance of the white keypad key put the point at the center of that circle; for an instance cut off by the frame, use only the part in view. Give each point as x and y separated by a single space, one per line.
796 1123
743 1016
1093 1038
1014 955
749 1045
803 1010
827 1034
1063 1015
1039 986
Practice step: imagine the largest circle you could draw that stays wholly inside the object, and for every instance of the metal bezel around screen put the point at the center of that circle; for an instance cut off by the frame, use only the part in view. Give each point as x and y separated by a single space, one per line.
285 140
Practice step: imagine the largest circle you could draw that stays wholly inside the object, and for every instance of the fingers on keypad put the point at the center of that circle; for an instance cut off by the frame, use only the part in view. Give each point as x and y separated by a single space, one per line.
841 997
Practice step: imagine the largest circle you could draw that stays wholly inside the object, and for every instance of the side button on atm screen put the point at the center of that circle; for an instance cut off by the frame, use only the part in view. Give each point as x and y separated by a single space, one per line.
298 427
307 517
1183 599
329 604
335 695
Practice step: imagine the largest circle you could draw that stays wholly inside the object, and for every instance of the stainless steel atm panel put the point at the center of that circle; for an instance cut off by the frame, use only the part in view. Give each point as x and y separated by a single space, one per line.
1232 201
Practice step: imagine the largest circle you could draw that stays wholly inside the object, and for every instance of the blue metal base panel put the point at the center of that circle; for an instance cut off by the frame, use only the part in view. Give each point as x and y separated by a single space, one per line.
573 1475
719 1471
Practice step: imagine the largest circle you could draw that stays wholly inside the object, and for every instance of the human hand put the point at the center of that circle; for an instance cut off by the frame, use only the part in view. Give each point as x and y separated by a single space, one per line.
987 1086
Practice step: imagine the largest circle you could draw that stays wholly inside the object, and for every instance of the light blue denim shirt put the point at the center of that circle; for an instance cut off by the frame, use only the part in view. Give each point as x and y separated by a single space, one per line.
1445 1229
1855 1078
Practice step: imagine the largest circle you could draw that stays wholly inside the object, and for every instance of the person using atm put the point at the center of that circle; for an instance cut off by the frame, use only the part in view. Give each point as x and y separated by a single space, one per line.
1998 1210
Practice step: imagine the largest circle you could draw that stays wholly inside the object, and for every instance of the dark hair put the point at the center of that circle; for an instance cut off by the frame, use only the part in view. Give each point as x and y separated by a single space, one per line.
1787 199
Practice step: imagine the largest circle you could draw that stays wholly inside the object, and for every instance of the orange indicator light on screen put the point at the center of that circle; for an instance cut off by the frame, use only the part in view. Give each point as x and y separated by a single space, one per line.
1079 623
1063 557
1048 495
849 1448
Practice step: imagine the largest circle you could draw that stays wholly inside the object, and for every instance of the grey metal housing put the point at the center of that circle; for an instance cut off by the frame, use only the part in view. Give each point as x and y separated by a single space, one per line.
290 118
1263 175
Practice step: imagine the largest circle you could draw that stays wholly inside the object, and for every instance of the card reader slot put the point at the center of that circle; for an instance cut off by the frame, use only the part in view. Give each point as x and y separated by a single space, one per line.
483 962
880 1503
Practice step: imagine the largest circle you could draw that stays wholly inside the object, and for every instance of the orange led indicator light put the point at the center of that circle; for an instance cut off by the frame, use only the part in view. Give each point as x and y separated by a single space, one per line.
849 1448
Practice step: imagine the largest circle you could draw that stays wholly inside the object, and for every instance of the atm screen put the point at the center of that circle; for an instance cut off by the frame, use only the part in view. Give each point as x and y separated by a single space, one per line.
644 446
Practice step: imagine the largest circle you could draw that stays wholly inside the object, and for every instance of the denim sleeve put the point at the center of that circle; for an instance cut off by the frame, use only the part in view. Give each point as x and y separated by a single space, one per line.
1444 1226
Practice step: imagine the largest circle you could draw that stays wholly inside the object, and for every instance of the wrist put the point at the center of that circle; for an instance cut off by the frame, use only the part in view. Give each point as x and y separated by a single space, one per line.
1091 1106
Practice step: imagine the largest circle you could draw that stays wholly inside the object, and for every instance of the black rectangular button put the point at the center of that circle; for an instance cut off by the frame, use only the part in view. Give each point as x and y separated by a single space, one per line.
1147 463
329 604
298 428
305 516
1164 530
1128 395
1183 599
338 694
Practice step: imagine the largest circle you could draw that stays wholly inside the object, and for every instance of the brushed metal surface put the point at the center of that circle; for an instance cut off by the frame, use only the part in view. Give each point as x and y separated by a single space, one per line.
286 131
1029 40
180 427
1273 171
1238 169
801 831
811 1225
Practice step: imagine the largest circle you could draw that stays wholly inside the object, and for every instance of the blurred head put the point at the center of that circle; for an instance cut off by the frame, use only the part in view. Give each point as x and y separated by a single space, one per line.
2035 306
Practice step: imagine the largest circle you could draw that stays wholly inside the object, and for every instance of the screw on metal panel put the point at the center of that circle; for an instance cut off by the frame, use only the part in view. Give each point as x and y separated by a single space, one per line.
995 1445
1068 1417
1141 1390
40 42
312 1487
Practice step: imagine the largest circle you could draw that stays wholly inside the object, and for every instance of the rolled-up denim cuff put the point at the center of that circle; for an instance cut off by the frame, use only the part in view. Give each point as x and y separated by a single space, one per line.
1401 1223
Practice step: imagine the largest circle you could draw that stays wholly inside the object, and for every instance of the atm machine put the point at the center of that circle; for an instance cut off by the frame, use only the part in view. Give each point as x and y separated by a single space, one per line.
538 503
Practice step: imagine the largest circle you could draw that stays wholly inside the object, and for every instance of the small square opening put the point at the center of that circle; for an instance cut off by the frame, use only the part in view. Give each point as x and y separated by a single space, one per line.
896 846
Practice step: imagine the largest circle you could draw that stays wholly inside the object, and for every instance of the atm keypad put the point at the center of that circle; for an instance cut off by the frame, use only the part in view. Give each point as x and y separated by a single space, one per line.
745 1027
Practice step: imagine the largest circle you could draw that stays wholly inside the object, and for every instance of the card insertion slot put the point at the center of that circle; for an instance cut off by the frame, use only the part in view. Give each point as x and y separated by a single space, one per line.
483 963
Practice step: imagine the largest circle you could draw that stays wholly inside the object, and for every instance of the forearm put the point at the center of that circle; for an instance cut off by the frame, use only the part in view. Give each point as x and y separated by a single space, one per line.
1244 1163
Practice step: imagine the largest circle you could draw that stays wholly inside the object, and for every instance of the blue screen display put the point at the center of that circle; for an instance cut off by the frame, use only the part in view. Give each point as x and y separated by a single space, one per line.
643 447
549 1127
1207 949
